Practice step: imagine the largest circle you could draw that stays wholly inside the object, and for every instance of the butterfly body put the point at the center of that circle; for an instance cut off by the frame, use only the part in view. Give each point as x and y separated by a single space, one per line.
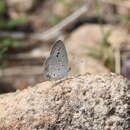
56 65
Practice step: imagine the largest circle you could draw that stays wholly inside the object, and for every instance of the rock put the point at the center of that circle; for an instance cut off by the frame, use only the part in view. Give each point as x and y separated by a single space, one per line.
91 35
63 8
77 43
21 5
83 63
92 102
86 35
124 9
118 37
59 9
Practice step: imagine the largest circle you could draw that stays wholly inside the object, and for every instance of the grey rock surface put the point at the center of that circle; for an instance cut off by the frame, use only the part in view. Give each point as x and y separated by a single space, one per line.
84 102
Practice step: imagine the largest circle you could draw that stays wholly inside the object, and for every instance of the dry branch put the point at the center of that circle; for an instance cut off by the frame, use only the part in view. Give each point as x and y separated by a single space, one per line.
53 32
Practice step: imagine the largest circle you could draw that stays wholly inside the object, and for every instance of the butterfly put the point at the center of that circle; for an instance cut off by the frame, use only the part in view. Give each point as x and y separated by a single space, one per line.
56 65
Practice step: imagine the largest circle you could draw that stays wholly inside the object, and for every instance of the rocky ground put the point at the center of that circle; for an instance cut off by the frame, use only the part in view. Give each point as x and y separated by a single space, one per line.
92 102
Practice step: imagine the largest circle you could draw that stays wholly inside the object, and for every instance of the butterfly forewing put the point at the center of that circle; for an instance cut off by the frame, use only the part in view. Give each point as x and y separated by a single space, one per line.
59 51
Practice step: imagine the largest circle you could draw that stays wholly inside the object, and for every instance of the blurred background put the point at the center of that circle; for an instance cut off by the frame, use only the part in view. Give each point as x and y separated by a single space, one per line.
96 35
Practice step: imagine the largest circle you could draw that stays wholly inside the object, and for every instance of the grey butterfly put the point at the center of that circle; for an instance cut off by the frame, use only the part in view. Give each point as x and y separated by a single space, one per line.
56 65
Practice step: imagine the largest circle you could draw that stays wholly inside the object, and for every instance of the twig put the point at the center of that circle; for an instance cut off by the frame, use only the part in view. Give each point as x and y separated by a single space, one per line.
117 61
53 32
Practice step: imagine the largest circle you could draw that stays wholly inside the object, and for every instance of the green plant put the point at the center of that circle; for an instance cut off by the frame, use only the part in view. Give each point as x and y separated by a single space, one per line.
6 44
2 52
9 42
6 23
2 6
104 52
125 18
11 23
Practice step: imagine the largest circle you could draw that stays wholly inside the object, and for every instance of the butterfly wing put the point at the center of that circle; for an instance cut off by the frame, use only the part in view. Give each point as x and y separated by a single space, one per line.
56 65
59 51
